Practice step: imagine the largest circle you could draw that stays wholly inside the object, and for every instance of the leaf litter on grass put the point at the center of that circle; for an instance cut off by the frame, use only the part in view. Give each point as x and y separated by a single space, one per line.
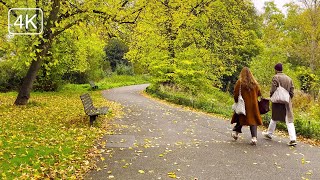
50 137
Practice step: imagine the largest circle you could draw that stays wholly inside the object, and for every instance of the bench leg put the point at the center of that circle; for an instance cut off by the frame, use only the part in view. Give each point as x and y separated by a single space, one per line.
92 118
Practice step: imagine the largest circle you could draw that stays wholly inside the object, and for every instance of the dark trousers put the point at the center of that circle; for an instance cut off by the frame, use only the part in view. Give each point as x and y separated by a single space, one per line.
238 127
253 129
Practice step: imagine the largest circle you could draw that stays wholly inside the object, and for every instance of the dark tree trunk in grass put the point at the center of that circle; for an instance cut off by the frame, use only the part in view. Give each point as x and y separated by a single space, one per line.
27 84
25 89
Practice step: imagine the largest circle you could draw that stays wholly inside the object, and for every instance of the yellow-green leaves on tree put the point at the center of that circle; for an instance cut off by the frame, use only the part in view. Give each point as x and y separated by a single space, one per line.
193 44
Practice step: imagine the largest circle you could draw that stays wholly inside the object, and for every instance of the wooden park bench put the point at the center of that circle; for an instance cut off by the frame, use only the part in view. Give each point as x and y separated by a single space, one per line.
93 85
90 110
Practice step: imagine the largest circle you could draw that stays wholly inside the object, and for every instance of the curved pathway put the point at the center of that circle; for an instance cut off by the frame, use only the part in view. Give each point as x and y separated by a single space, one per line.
158 141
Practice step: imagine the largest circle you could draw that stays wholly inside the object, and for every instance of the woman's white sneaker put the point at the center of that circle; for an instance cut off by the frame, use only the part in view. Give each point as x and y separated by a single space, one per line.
234 135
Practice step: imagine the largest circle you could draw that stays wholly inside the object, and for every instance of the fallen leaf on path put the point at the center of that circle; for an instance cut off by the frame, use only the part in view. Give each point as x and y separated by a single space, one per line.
309 172
172 175
141 171
111 177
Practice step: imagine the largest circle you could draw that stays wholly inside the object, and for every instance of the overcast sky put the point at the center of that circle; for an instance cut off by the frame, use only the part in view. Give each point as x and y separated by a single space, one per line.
260 3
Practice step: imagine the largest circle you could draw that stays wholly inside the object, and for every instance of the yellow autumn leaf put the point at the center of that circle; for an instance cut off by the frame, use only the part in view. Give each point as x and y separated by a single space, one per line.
141 171
172 175
309 172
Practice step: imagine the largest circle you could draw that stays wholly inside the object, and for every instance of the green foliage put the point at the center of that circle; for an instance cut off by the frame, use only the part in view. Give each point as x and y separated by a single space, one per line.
73 33
76 56
193 44
115 50
48 81
10 75
308 80
123 69
213 101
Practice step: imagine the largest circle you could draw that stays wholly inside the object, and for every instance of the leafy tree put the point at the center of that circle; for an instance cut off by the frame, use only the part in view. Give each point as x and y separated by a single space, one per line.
302 25
274 44
61 15
115 51
311 19
289 40
193 44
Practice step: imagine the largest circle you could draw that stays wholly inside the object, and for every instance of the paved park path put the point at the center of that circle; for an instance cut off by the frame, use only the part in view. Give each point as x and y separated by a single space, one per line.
158 141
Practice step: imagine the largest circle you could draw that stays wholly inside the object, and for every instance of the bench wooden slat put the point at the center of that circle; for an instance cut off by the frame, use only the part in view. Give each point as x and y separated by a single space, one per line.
93 85
90 110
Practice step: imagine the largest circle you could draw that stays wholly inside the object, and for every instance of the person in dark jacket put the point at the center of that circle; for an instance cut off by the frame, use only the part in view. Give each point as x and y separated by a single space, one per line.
282 112
250 92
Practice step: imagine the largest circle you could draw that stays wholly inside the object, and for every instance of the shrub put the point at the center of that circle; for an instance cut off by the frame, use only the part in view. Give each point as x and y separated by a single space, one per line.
10 78
122 69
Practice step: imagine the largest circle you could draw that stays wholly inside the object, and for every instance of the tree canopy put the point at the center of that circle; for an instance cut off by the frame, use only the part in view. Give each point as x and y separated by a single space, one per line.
188 44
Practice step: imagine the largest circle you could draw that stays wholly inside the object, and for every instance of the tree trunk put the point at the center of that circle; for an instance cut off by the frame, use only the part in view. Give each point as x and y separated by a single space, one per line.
27 84
25 89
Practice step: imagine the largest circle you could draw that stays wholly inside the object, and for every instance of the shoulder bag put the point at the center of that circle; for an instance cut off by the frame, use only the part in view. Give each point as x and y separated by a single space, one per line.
280 95
239 107
263 105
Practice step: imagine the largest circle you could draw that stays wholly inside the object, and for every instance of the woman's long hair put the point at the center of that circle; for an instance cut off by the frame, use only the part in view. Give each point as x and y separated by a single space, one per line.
246 78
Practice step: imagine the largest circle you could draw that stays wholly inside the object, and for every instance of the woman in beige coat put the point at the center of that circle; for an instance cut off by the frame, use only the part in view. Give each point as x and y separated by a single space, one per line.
250 92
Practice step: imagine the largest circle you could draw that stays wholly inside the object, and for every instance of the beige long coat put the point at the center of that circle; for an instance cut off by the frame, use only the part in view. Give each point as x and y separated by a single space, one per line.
250 98
279 111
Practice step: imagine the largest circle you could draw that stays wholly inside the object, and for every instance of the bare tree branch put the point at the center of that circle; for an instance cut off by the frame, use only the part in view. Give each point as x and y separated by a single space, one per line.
124 3
68 15
135 19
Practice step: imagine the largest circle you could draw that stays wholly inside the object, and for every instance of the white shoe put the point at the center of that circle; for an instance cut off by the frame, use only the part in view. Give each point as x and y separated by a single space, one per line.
267 135
253 142
234 135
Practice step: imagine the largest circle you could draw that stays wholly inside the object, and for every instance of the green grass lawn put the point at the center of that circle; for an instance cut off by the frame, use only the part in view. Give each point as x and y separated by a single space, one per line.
51 137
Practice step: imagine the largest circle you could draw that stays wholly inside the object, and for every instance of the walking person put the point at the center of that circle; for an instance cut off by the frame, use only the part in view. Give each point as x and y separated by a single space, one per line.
250 92
282 112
